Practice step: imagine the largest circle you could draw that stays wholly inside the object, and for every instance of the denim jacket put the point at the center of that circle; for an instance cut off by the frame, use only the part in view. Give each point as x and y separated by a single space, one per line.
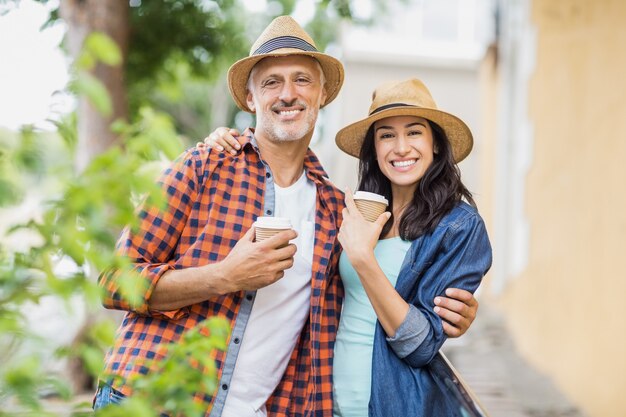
456 254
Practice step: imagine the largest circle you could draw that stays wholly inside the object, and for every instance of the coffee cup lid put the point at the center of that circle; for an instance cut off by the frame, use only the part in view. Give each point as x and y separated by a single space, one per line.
365 195
273 222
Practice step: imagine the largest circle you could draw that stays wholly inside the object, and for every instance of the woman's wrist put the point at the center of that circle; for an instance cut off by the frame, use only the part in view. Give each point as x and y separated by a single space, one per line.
362 260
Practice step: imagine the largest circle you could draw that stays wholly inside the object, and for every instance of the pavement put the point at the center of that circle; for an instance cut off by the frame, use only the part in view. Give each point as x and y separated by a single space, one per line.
506 384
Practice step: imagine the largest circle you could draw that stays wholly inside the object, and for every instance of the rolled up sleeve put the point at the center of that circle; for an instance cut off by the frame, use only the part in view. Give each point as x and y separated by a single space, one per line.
149 248
410 334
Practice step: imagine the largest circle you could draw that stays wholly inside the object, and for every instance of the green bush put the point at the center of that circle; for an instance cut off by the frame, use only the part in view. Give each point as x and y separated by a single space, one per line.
77 218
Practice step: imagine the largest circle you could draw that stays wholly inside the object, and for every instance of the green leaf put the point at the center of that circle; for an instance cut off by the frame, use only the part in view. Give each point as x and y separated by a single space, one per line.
9 192
23 377
61 388
89 86
103 333
93 360
103 48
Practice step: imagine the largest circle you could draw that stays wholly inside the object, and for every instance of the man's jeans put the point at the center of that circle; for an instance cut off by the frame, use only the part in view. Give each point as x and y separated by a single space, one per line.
107 395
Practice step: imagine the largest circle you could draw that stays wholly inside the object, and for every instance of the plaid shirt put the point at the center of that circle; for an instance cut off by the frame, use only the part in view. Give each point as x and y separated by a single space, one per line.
213 199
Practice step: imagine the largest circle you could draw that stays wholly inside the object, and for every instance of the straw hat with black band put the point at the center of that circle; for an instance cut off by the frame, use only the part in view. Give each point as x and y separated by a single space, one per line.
406 98
283 37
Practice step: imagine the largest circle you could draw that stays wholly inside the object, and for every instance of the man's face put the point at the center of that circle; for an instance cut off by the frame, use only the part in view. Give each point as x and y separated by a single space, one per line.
286 94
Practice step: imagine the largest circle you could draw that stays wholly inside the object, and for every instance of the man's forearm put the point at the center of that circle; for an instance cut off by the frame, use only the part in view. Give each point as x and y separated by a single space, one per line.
249 266
180 288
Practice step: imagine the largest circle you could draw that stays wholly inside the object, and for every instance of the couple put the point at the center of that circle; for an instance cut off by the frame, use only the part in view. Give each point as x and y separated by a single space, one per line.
283 300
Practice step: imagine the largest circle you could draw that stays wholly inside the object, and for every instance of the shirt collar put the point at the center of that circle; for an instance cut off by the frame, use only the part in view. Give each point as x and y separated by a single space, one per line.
312 165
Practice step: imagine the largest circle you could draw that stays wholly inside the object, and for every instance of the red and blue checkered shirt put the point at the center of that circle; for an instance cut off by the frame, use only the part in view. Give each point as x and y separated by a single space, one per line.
213 198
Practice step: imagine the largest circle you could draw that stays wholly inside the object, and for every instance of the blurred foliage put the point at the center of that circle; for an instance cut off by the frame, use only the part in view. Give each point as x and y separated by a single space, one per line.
75 221
155 392
203 37
179 52
97 48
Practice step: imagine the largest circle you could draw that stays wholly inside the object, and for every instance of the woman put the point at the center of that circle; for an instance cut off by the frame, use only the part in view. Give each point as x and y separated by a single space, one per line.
431 239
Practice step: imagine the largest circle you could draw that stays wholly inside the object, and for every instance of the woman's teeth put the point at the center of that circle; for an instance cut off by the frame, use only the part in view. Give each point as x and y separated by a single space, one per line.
403 163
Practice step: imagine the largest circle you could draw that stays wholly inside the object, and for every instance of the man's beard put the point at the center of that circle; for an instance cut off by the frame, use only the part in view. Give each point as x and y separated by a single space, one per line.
281 132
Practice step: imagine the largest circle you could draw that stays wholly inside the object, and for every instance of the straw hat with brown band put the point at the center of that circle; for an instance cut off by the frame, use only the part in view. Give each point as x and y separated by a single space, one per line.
282 37
406 98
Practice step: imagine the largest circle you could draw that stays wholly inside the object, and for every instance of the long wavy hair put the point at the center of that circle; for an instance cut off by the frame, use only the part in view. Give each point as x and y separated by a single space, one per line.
438 191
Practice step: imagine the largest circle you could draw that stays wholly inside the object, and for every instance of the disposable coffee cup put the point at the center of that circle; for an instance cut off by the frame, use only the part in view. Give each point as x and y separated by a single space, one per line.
370 205
266 227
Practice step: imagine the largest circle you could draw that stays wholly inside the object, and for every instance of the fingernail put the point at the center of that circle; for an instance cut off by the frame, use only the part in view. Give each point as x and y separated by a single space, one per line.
234 152
437 309
237 145
220 148
437 300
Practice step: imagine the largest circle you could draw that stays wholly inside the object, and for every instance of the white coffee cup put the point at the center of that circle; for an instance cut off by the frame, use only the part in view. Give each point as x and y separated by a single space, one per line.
371 205
266 227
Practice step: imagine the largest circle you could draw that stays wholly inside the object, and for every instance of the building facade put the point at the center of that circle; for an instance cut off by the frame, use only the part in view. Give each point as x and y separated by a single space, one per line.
555 117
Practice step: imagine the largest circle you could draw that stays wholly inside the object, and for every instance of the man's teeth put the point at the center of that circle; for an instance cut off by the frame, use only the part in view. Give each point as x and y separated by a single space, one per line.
403 163
288 112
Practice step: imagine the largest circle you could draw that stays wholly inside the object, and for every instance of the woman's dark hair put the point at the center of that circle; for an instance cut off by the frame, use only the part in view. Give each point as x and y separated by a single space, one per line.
438 191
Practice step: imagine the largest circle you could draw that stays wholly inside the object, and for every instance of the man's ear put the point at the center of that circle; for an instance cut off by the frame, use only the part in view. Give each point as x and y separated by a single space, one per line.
250 102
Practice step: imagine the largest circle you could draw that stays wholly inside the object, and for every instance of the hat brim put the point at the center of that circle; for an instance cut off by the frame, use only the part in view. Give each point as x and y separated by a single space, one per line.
239 72
350 138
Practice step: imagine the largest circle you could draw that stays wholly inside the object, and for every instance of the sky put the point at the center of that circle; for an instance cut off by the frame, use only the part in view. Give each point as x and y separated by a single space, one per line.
32 67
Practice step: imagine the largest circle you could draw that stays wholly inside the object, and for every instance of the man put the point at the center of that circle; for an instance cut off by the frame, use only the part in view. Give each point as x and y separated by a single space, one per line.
281 300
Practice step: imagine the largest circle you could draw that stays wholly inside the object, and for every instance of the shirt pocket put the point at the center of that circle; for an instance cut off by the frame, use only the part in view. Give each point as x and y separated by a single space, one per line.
410 278
305 241
418 268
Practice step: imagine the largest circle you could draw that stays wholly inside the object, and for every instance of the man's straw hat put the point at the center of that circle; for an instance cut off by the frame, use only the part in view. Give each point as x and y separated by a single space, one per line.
406 98
283 37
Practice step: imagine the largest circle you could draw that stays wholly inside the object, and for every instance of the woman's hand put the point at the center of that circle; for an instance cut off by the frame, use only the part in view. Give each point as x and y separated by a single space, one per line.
222 139
357 236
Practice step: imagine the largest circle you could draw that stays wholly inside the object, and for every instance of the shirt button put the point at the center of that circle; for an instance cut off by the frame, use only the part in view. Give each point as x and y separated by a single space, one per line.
249 297
224 387
268 175
236 340
268 212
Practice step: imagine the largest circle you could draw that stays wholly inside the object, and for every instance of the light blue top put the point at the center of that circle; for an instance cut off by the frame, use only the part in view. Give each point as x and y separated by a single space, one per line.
352 365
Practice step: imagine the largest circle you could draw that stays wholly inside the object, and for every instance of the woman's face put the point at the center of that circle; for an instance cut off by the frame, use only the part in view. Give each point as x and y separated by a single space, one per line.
404 149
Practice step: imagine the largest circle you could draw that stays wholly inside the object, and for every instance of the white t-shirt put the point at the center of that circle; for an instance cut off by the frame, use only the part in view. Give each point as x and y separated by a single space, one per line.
279 311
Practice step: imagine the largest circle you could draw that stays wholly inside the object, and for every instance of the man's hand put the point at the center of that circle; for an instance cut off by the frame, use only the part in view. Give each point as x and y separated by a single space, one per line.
458 311
222 139
249 266
252 265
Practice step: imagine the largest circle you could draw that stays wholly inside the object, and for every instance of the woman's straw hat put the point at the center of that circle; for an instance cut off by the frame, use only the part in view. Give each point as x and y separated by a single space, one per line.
282 37
406 98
